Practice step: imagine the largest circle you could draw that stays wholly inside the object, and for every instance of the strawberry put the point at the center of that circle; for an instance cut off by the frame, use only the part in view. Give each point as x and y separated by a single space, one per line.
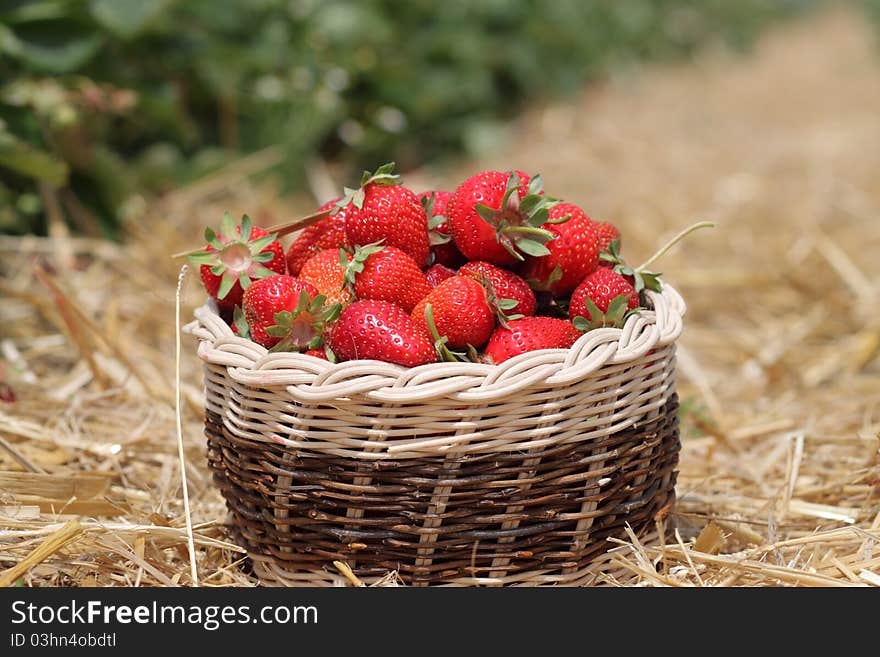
443 249
236 256
604 298
461 312
436 274
383 210
382 331
505 284
573 254
385 273
328 233
606 233
529 334
325 271
317 353
284 313
496 216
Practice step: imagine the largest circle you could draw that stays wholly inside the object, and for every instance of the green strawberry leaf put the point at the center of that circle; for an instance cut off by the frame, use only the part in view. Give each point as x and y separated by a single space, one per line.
436 238
384 175
261 243
227 226
561 220
532 247
528 204
428 203
284 345
443 351
596 315
536 185
212 239
487 214
259 271
277 331
331 313
240 321
202 257
226 283
246 228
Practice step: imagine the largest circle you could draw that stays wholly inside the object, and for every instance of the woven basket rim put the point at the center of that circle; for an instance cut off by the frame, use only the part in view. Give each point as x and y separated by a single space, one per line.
310 379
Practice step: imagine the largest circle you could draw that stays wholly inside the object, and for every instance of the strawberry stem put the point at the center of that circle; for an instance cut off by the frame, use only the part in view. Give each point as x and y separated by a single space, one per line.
675 240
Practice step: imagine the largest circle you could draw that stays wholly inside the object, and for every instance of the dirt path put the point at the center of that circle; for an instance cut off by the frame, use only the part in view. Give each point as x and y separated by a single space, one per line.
780 374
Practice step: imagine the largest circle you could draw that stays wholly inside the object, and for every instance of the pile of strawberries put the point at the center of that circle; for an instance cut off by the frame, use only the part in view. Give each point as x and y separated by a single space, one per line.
492 270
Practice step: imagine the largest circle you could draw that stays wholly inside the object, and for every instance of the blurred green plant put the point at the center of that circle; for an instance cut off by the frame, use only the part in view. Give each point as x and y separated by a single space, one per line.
105 101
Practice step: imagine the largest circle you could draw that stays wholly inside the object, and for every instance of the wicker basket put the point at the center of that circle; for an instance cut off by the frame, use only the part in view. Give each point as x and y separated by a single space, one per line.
451 473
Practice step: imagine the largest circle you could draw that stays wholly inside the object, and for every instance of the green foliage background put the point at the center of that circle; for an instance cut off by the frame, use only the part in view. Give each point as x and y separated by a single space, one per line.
105 101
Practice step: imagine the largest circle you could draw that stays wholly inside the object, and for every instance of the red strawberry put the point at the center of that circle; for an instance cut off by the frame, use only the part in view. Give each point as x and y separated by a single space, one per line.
385 273
506 285
461 312
497 216
382 331
436 274
325 271
443 249
573 254
328 233
317 353
383 210
229 264
606 233
286 313
602 299
529 334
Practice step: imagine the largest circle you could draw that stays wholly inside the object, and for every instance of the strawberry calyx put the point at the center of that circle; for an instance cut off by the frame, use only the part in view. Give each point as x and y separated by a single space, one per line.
234 255
303 328
242 329
614 317
355 266
445 353
434 235
518 221
498 306
383 176
546 285
641 279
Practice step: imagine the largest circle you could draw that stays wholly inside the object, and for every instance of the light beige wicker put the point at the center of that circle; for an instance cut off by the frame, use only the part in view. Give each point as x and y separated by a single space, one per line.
451 473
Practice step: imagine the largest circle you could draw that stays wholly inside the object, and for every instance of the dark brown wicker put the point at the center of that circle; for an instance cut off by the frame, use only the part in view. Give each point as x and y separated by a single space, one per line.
505 513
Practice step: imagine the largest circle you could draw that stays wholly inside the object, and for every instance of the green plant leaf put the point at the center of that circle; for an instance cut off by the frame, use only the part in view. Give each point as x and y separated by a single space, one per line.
31 162
57 46
126 18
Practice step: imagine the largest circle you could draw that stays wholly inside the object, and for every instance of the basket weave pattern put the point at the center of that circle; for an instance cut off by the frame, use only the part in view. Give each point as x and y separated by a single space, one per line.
451 473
